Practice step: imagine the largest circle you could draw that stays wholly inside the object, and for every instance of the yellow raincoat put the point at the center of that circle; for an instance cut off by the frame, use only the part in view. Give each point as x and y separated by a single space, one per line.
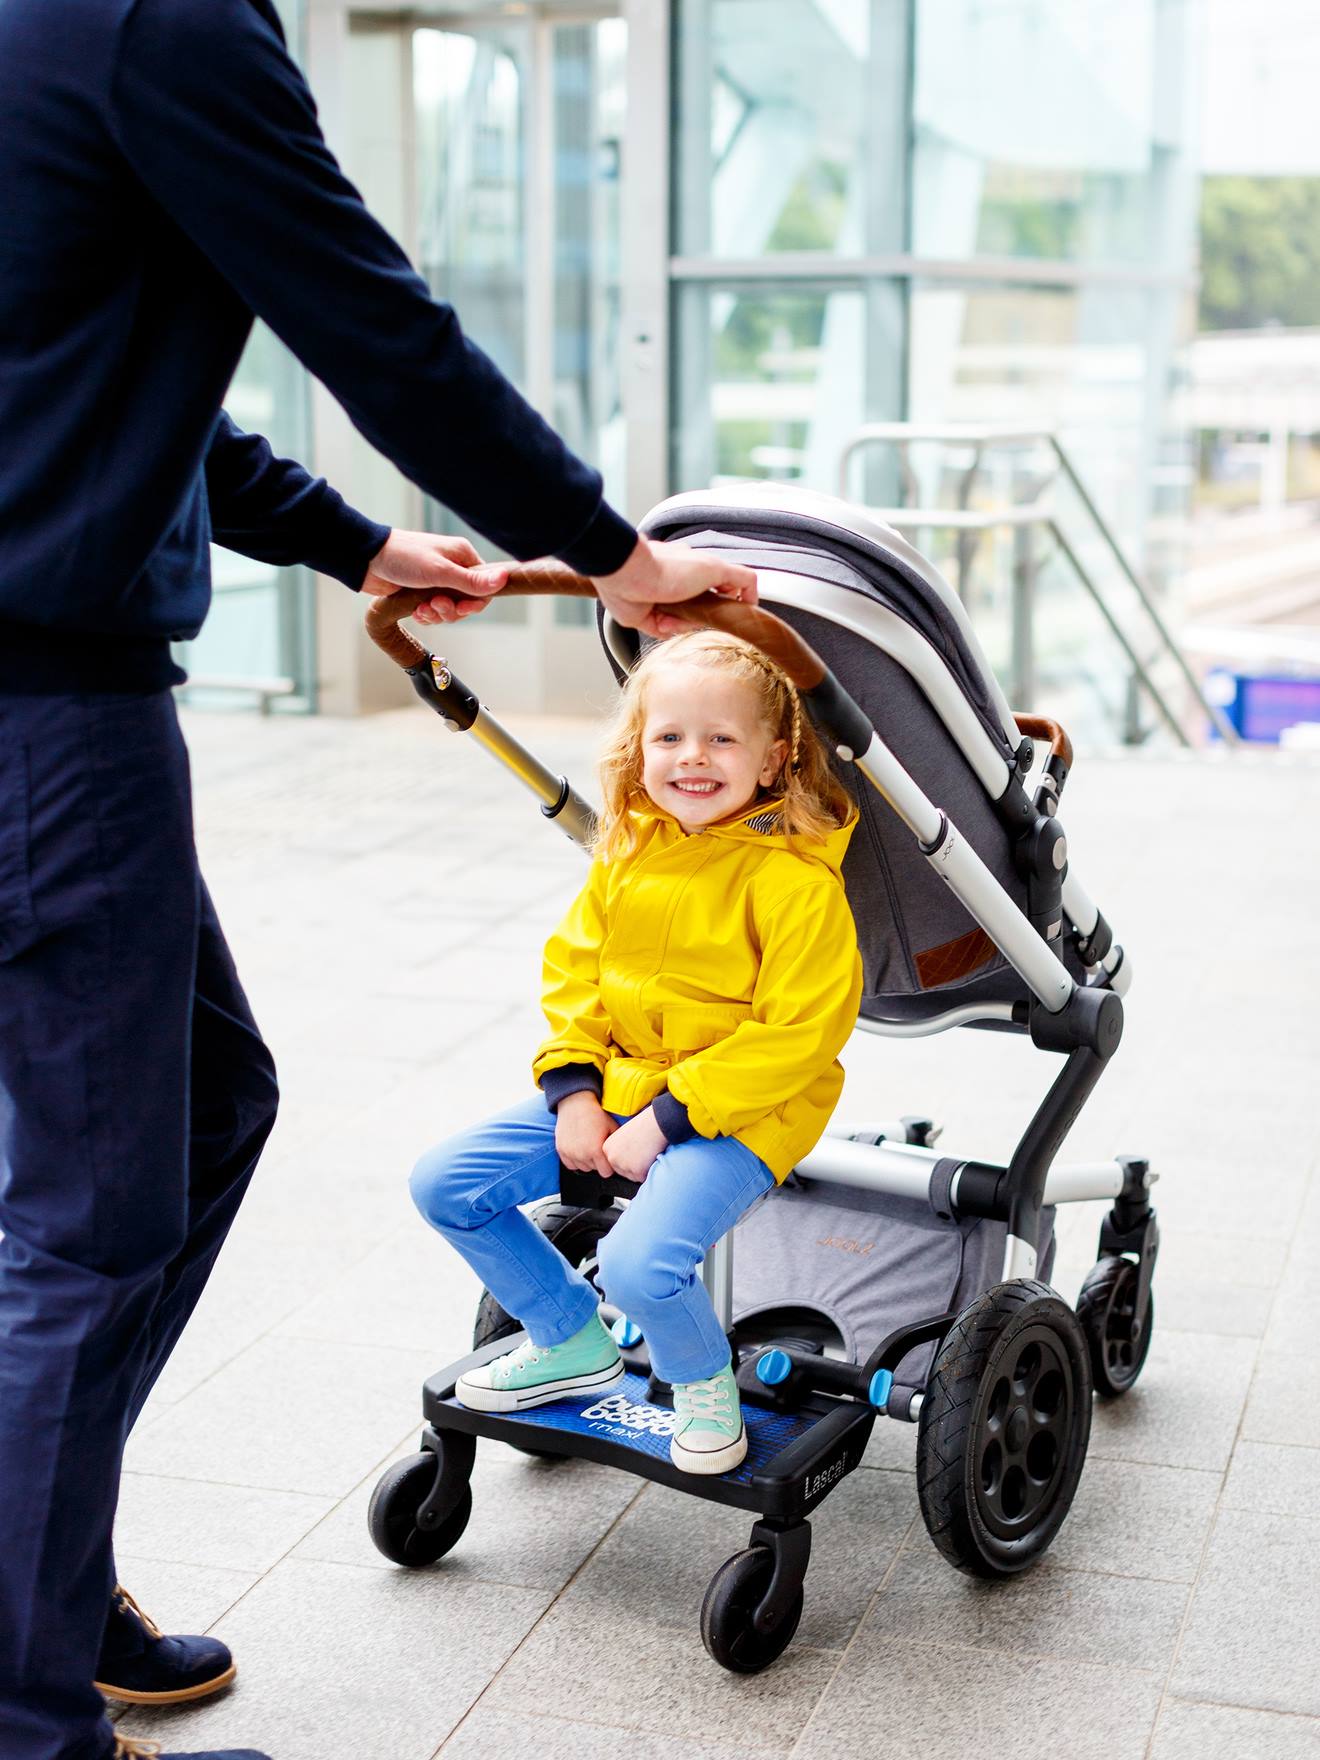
722 965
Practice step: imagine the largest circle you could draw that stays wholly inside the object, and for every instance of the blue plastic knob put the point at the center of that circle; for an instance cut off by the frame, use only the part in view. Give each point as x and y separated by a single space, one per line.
773 1367
625 1334
878 1392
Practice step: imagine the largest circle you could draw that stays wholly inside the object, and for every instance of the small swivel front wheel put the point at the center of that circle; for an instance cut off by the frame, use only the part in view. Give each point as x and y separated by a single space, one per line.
1107 1310
401 1524
728 1628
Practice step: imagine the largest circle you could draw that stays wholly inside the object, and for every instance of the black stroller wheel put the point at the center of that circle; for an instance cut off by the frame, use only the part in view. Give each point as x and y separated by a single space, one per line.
1107 1310
734 1594
1004 1427
396 1502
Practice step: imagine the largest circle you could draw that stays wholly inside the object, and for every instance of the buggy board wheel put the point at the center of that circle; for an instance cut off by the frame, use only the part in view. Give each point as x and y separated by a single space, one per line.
399 1495
732 1599
1107 1308
577 1234
1003 1430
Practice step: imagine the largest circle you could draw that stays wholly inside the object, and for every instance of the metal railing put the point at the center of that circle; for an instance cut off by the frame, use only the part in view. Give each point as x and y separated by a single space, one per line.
1026 520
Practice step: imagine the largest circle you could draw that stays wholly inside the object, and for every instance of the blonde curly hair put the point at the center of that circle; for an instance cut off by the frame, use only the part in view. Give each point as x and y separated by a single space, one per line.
810 799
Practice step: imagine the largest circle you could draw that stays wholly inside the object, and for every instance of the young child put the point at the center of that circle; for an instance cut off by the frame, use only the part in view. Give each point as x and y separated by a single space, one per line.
698 993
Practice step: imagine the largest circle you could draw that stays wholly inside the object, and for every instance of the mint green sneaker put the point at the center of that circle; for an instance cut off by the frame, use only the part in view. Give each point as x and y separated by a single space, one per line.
534 1375
711 1436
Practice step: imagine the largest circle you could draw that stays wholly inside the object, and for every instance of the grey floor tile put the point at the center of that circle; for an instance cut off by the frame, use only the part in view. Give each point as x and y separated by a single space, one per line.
942 1703
1079 1616
1137 1521
485 1734
291 1414
1295 1317
337 1661
182 1597
1284 1405
259 1278
664 1552
533 1521
1273 1478
230 1527
1223 1732
412 1292
1258 1584
659 1678
1184 1410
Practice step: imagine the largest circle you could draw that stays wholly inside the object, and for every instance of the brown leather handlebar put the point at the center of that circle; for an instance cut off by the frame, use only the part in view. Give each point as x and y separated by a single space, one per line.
712 611
1041 727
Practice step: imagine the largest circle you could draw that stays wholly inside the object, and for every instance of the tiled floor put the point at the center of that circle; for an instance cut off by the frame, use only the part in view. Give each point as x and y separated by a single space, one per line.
386 890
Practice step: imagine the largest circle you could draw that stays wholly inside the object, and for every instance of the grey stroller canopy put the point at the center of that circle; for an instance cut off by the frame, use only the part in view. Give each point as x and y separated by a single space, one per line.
899 641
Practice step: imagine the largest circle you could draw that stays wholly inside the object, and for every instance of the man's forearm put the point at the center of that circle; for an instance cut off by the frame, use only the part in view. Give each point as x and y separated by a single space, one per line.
274 510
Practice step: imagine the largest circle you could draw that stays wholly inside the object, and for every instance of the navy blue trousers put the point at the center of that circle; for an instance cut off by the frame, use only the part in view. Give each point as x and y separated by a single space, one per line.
135 1096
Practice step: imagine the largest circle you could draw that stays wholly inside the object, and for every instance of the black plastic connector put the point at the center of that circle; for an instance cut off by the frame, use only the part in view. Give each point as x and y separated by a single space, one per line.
1090 1020
1092 948
440 690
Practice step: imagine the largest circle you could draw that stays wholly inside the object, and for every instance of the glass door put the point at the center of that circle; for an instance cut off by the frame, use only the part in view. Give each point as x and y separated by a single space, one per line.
518 124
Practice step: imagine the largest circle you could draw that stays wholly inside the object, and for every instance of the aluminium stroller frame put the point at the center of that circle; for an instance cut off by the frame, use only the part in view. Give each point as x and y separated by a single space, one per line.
811 1414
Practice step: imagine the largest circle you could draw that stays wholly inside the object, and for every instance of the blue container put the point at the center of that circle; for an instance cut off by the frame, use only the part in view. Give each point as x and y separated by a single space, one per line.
1261 704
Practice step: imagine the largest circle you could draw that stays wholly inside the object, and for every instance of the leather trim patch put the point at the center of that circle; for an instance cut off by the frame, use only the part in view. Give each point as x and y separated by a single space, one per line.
955 959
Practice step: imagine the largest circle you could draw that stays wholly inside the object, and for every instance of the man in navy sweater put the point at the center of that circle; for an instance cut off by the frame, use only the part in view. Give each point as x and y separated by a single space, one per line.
163 179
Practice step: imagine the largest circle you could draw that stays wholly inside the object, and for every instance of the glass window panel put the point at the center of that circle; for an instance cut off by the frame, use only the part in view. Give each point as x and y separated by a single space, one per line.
783 107
771 381
590 99
1051 131
1094 365
469 105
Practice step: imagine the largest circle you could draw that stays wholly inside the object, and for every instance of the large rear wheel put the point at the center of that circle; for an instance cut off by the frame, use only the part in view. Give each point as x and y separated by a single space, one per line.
1004 1428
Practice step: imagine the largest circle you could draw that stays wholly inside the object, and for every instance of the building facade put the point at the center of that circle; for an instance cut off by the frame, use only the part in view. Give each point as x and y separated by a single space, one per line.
713 239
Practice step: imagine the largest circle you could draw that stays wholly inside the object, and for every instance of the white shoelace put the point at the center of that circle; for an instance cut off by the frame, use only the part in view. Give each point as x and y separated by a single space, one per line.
704 1399
526 1354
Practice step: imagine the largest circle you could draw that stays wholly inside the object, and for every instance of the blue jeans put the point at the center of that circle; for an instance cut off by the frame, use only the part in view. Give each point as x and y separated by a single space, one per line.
135 1096
469 1189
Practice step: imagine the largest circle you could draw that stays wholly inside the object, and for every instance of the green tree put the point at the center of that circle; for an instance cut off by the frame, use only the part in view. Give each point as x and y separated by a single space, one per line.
1260 252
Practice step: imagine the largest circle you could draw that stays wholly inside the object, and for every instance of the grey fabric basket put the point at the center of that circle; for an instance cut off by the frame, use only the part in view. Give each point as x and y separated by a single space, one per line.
868 1263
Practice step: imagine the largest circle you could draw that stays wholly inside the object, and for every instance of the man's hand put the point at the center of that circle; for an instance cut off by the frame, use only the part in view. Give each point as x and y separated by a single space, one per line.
656 575
581 1127
451 566
636 1146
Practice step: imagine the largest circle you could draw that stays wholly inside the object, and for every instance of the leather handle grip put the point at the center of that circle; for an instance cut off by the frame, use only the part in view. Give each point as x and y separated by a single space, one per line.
1041 727
711 610
525 580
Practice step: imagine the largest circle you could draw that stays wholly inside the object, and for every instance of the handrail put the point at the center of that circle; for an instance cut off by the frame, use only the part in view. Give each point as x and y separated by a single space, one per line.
1037 513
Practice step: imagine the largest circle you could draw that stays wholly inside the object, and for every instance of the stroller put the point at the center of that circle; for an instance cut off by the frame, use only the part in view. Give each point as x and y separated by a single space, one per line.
884 1278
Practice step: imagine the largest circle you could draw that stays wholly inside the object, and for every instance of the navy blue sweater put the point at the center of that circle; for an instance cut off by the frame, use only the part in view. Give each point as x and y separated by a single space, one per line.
163 178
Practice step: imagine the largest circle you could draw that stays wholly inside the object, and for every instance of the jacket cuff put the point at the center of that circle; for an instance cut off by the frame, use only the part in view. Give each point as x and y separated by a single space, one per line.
346 547
571 1078
603 545
672 1117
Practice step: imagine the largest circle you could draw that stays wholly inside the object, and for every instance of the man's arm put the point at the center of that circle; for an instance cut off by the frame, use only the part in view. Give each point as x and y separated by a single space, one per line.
218 124
272 509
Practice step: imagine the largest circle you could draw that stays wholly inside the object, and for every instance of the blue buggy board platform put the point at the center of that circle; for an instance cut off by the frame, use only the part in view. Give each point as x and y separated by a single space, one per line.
794 1458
